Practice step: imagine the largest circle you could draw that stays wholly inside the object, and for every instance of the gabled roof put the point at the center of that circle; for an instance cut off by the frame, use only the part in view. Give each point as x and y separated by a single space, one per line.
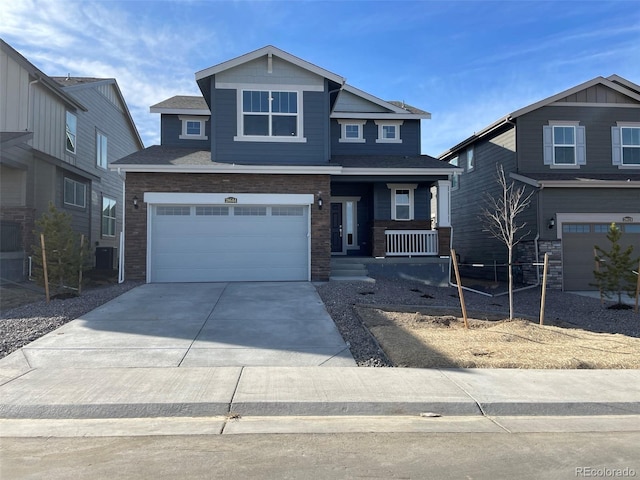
41 77
395 109
71 84
614 82
182 104
268 51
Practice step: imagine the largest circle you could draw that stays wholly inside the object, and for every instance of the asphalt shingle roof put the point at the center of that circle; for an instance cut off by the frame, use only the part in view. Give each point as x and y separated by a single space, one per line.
188 102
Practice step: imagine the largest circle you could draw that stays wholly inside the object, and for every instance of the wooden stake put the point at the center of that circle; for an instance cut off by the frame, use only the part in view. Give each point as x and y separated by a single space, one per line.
462 304
638 288
44 268
81 261
544 287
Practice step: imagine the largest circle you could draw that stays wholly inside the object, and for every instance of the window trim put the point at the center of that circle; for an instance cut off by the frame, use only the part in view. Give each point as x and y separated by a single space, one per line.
241 137
470 159
387 123
71 137
455 178
108 217
564 145
75 183
394 187
618 147
343 131
549 145
192 118
99 152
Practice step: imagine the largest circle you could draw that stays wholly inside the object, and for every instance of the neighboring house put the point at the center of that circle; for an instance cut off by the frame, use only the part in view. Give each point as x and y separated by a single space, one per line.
57 137
277 167
579 151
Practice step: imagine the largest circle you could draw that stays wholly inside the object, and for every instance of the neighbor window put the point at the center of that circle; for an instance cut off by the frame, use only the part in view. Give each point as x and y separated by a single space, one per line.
388 131
352 131
402 201
108 217
75 193
564 144
193 128
71 128
470 160
270 114
101 149
630 145
455 182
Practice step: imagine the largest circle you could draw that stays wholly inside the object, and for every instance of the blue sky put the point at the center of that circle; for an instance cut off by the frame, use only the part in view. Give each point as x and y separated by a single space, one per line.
467 62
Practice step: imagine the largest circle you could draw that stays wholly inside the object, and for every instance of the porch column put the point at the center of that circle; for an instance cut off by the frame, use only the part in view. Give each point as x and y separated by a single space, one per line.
444 203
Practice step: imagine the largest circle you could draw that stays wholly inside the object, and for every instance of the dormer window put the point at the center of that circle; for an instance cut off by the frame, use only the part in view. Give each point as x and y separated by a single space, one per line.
193 128
352 131
388 131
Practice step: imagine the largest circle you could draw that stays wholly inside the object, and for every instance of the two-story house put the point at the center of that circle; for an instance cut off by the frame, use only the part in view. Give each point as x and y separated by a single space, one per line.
278 166
58 136
579 152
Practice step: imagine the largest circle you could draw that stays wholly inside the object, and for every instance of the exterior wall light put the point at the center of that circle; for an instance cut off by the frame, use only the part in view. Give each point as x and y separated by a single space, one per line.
552 223
319 203
135 202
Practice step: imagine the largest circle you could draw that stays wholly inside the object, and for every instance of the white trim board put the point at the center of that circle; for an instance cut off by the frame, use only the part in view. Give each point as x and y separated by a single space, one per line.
173 198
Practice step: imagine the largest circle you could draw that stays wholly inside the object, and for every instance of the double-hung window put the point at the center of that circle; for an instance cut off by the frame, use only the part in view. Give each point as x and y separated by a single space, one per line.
352 131
626 145
108 217
402 201
564 144
75 193
268 113
71 129
101 149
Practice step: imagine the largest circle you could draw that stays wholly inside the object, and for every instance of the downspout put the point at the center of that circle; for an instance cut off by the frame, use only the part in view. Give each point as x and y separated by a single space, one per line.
121 249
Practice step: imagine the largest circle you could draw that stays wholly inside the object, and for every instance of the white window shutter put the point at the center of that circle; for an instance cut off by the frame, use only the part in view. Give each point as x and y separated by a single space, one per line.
581 156
616 146
547 141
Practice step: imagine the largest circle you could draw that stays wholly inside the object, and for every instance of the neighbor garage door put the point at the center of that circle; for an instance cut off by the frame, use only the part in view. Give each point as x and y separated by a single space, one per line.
578 241
212 243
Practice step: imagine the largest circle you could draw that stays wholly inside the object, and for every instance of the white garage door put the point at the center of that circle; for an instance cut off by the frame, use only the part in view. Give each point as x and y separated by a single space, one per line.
217 243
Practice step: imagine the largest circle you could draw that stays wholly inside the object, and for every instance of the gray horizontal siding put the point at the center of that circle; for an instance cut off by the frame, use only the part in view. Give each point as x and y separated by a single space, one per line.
409 133
597 122
313 151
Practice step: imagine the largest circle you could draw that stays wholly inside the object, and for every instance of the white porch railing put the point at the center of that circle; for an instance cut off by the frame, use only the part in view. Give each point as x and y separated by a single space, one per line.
411 242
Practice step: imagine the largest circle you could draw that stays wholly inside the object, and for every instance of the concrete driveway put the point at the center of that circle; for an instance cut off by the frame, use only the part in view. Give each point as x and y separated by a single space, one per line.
199 325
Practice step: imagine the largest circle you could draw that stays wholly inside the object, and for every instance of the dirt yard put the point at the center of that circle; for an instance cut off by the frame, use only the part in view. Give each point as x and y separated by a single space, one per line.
440 340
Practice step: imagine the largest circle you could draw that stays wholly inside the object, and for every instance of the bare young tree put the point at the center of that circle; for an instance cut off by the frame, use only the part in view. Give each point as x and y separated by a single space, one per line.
499 217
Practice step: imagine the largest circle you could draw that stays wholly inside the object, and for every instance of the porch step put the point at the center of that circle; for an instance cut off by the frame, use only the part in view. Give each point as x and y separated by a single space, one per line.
349 270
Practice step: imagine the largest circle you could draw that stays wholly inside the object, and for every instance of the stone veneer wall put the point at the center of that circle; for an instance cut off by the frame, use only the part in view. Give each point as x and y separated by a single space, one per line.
526 256
136 219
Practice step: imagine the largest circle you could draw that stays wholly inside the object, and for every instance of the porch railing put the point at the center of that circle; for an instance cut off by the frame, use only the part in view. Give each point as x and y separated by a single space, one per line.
411 243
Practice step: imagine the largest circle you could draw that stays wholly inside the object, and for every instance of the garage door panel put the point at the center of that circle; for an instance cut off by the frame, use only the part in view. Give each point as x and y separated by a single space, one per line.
193 248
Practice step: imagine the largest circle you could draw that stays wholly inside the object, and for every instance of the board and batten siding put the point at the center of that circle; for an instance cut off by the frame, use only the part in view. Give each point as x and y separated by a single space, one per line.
597 122
14 95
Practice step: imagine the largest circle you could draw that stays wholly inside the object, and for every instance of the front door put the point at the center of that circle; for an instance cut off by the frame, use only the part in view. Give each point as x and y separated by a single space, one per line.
336 228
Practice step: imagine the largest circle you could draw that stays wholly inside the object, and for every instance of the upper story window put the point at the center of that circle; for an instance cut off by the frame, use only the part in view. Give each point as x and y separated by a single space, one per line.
352 131
193 128
71 128
564 144
626 145
108 217
389 131
101 149
270 115
470 160
402 200
75 193
455 181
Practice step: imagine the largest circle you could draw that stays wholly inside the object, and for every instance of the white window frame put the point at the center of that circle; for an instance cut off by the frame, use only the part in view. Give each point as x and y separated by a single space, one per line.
102 160
71 134
394 187
455 180
389 123
622 146
343 131
111 220
199 119
70 183
564 145
470 160
298 138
